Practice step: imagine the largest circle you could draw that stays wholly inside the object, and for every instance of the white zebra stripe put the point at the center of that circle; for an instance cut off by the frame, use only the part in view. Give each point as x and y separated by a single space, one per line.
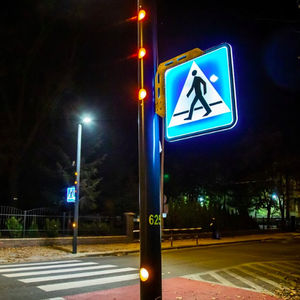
48 267
39 263
221 279
85 283
34 273
263 279
249 283
76 275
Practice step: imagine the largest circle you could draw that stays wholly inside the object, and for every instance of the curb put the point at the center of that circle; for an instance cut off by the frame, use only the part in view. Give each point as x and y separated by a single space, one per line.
126 252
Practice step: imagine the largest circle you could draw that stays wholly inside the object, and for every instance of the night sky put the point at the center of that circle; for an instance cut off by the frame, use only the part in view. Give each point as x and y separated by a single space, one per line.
93 43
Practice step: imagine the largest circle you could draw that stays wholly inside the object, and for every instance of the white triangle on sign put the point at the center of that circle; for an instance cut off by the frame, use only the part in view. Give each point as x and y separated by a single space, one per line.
212 97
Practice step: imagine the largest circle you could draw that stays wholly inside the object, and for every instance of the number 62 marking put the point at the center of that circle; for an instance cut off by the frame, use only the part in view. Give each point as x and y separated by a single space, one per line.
154 219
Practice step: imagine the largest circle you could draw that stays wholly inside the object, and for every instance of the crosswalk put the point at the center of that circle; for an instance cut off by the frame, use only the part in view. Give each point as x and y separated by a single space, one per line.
68 274
264 277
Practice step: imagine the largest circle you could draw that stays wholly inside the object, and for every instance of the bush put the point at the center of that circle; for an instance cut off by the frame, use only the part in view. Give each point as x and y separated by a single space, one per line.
192 214
14 227
94 228
33 230
52 227
103 228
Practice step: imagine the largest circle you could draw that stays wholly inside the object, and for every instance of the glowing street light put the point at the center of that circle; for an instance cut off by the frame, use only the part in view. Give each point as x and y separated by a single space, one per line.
87 120
274 196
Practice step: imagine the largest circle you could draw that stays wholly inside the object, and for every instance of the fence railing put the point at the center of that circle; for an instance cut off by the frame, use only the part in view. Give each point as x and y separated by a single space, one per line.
182 233
277 223
176 233
47 222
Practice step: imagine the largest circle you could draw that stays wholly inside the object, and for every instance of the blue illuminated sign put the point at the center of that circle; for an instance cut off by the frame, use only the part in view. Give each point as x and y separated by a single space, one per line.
200 95
71 194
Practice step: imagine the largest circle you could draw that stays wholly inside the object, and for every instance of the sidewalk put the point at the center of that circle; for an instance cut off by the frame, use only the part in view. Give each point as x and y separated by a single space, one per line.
40 253
177 289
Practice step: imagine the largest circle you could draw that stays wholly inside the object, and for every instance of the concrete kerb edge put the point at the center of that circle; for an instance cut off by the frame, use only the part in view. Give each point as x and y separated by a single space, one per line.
61 241
126 252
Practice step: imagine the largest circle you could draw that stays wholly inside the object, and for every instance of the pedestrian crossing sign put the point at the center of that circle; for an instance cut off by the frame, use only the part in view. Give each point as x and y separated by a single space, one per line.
199 94
71 194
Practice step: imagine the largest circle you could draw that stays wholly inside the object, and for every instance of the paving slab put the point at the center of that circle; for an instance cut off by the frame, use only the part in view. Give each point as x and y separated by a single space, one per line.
177 289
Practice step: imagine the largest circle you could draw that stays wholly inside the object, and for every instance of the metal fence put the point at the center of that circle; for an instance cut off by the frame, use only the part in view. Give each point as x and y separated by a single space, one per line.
41 222
277 223
178 234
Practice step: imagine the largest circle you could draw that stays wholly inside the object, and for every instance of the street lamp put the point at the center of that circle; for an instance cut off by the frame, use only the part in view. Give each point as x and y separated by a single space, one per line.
274 196
85 120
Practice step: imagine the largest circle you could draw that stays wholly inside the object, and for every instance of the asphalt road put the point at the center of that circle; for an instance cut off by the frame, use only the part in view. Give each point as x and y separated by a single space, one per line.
260 266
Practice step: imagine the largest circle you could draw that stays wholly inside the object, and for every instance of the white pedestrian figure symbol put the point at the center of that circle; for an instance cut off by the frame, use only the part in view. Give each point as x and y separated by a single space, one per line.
196 85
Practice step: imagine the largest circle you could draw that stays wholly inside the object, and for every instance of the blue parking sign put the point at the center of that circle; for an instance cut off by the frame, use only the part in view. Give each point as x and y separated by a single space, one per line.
71 194
200 95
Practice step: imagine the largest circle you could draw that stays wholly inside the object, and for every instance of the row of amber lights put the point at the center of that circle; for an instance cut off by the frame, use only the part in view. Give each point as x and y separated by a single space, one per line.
74 225
141 54
144 274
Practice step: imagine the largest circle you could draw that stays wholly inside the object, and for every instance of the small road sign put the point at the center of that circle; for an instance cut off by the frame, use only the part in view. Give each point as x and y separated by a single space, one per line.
71 194
199 94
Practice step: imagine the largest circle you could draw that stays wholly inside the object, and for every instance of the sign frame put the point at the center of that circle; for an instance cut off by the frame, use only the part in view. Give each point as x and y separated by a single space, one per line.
162 93
69 190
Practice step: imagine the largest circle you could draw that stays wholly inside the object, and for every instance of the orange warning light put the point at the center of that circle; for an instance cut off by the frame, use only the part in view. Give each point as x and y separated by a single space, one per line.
142 94
142 53
144 274
141 14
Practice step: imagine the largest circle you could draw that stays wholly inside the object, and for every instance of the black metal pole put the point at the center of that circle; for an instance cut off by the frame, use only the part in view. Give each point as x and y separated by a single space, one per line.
149 158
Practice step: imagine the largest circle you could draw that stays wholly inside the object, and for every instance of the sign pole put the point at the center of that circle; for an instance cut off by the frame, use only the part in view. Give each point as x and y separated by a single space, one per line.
76 204
149 159
162 171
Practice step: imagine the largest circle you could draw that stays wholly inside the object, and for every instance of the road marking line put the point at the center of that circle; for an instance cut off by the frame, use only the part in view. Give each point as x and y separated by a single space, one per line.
254 275
253 286
47 267
40 263
265 272
263 279
85 283
77 275
290 266
223 280
249 283
59 271
278 270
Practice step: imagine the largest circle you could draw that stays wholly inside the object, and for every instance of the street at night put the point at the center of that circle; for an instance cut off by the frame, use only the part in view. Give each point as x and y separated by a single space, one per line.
149 150
265 267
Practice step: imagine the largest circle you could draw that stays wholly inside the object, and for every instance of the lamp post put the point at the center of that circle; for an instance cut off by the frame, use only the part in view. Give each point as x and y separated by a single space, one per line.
85 120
